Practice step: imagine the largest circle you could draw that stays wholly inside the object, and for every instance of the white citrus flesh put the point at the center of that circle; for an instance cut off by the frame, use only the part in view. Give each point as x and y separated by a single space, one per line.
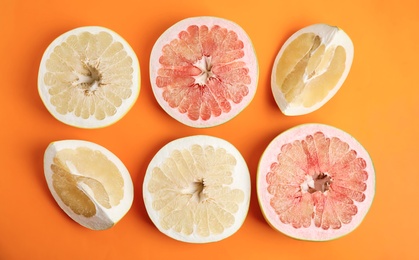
89 77
315 182
88 182
310 68
204 71
197 189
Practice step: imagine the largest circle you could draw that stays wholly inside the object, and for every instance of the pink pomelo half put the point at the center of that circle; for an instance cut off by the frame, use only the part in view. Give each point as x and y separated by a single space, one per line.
315 182
204 71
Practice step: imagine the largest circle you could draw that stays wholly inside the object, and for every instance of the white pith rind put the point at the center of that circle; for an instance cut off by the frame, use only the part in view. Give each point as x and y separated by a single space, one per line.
250 59
311 233
331 36
241 180
91 122
104 218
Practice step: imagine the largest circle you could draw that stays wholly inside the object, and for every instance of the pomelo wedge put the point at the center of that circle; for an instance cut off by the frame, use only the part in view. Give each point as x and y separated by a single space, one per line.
204 71
89 183
89 77
197 189
310 68
315 182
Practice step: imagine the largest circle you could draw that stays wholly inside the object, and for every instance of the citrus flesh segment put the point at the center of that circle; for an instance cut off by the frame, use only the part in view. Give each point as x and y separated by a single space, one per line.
315 182
203 71
89 77
88 182
197 189
310 68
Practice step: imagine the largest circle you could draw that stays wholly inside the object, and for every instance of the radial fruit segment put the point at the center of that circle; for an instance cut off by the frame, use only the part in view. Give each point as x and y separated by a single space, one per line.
197 189
315 182
88 182
310 68
203 71
89 77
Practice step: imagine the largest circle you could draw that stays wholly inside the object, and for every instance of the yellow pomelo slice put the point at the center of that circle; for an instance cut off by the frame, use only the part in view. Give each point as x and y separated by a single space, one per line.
88 182
89 77
197 189
310 68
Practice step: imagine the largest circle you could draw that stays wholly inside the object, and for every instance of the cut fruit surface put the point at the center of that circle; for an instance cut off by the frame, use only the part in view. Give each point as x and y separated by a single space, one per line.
310 68
315 182
197 189
88 182
89 77
204 71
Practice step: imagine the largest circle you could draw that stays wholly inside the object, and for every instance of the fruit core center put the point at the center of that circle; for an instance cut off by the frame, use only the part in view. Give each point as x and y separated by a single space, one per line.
197 191
318 182
204 64
89 81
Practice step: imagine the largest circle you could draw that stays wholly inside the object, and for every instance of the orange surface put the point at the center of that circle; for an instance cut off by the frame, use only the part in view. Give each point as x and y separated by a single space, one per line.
378 105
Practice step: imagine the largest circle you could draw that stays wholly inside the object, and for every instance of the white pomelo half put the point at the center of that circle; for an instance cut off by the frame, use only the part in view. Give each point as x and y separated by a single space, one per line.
315 182
89 77
197 189
310 68
204 71
88 182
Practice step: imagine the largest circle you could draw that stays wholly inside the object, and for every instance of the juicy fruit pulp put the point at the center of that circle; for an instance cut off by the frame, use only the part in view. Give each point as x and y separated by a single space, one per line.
197 189
315 182
203 71
310 68
89 77
88 182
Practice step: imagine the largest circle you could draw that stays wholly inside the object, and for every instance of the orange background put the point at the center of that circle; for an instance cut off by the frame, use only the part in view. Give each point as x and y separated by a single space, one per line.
378 105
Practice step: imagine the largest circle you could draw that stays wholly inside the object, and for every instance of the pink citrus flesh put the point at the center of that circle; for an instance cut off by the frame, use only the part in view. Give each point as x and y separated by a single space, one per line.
315 182
203 71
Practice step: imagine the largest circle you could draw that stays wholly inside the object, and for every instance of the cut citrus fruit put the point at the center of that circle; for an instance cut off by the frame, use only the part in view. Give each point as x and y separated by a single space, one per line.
310 68
88 182
197 189
315 182
204 71
89 77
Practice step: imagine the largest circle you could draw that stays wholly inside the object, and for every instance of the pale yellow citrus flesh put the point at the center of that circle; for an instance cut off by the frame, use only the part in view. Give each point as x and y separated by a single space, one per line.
308 70
190 191
89 75
82 177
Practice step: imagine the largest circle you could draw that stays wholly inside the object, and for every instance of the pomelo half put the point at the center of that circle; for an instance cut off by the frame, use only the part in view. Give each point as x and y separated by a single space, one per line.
197 189
89 183
204 71
310 68
315 182
89 77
